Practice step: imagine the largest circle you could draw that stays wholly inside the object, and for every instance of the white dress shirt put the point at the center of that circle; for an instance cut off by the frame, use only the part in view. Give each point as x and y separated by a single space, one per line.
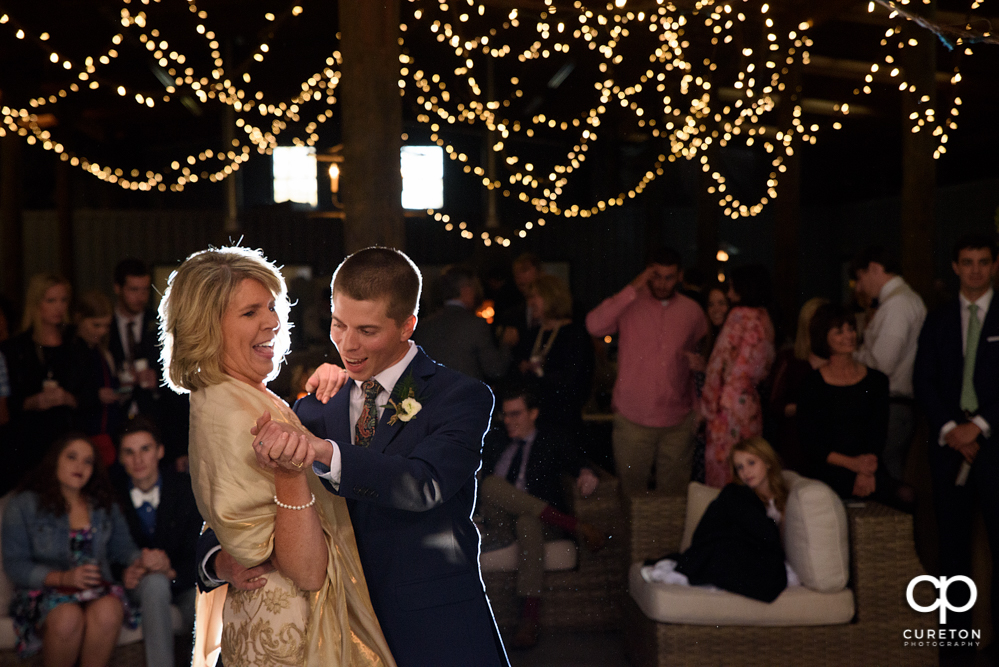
891 338
387 379
983 302
124 321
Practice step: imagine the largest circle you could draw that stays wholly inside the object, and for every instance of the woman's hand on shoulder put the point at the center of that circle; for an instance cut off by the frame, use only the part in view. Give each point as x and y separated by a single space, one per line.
326 382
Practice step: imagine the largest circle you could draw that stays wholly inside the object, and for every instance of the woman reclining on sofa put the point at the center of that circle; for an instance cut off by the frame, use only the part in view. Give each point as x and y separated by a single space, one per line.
737 544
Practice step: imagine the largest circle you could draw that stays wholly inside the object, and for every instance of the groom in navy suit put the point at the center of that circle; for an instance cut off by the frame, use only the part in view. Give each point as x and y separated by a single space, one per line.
403 441
956 379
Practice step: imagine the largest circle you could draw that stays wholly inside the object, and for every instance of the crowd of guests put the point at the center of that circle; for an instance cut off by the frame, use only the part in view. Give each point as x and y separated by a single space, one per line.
96 448
102 525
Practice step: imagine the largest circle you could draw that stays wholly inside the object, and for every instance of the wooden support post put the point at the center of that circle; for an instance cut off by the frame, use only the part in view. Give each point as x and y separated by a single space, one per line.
919 169
372 124
787 209
11 224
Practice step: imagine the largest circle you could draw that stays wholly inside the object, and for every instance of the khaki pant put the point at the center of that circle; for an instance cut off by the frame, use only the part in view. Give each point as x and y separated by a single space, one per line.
636 447
513 513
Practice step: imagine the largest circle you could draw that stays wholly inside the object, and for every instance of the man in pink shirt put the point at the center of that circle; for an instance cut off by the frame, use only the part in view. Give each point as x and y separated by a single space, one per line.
654 414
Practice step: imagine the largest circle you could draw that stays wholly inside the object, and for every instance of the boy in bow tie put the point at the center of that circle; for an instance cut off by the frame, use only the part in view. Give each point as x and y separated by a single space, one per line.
163 520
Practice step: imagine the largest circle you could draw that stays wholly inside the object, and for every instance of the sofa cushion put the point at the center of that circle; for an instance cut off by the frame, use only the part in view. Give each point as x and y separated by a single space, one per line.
559 555
694 605
816 535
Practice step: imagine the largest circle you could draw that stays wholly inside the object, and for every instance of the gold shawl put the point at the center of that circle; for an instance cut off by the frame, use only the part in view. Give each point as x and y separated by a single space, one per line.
277 624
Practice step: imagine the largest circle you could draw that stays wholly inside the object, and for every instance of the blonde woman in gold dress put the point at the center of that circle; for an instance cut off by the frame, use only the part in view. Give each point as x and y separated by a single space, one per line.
224 329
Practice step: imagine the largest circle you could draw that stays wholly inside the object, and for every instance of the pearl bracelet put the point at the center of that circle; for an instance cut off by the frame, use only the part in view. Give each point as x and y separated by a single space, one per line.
295 507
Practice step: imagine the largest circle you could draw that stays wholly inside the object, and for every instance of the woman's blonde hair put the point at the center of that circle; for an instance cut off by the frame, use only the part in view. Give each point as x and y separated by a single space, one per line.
191 311
761 449
556 295
39 284
803 340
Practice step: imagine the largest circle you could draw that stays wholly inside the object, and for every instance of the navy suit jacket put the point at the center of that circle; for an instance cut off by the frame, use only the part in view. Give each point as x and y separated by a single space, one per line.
939 369
178 523
410 496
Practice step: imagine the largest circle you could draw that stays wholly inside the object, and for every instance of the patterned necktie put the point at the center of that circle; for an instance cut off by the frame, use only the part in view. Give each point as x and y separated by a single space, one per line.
518 459
969 399
364 430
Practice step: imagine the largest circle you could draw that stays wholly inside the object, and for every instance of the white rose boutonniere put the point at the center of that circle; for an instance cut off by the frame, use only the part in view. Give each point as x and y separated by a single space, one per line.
404 401
408 409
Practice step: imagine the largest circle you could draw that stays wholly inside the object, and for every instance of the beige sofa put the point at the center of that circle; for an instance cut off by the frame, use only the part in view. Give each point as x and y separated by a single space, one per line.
130 650
855 564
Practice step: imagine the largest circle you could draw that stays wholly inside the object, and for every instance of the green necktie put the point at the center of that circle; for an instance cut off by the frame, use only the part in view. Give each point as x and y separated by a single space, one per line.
969 400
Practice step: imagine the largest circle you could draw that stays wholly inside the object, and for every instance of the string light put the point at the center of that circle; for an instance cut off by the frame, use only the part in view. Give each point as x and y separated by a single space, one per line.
679 99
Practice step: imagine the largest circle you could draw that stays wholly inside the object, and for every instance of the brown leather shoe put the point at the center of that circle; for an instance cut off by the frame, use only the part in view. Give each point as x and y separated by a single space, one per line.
527 634
592 536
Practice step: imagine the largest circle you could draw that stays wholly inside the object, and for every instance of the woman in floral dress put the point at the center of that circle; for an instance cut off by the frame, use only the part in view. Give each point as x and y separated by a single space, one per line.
741 359
60 537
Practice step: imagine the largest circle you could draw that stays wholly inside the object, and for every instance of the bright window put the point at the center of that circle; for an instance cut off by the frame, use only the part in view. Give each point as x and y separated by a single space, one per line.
295 175
422 177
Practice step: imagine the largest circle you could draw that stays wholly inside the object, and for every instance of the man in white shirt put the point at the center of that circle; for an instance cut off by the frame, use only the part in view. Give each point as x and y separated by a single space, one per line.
889 346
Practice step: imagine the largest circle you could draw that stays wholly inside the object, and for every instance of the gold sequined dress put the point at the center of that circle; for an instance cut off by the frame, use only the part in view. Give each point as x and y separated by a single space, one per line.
277 625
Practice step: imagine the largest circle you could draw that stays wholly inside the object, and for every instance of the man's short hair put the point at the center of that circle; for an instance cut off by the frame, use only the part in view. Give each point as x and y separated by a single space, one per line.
827 317
456 277
664 256
130 266
139 424
381 273
879 254
516 390
977 241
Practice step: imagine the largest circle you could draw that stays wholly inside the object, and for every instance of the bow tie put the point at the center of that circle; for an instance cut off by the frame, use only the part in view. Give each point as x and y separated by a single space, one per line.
152 496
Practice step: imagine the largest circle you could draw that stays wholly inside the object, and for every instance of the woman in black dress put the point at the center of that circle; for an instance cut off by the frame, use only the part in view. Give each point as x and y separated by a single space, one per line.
561 357
843 414
42 378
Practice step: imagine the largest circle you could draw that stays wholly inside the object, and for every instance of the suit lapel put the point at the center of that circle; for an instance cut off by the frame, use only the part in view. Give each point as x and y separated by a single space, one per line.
336 415
422 369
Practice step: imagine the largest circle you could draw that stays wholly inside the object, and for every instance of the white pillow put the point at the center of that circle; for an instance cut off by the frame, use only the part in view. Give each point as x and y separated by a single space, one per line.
816 538
815 533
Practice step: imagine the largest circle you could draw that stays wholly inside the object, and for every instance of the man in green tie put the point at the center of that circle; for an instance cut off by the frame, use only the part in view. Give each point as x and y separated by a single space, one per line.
957 383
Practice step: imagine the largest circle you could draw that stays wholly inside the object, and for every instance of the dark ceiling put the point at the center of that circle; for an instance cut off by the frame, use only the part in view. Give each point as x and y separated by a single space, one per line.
861 160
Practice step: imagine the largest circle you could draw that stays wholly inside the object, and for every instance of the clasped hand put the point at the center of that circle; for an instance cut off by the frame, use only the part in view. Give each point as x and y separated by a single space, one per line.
964 439
278 446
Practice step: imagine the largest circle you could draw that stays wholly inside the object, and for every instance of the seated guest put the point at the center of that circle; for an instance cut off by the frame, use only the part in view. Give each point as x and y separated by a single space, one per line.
521 497
843 414
737 544
40 364
456 337
100 410
163 519
61 535
561 360
793 365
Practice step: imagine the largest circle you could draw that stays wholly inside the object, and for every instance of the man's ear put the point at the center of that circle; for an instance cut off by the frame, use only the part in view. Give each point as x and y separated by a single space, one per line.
408 327
160 452
953 265
534 414
679 276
